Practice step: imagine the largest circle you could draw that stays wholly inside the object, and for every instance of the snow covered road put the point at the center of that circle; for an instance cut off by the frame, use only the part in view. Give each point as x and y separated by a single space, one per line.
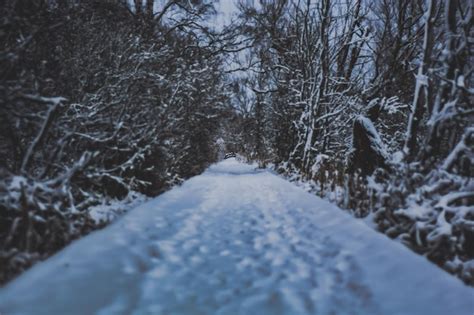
236 241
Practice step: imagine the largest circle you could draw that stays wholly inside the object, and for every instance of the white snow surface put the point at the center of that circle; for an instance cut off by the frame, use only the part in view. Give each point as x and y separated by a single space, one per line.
110 210
235 240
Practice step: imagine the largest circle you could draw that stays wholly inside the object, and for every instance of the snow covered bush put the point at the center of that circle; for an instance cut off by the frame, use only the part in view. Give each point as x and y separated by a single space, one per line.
99 102
370 106
368 151
432 214
37 218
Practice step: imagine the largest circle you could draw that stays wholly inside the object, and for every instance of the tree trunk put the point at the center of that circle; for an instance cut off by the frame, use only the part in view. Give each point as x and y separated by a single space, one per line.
421 88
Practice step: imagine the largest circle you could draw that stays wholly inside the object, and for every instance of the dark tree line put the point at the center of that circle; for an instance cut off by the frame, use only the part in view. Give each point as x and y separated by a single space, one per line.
372 101
98 99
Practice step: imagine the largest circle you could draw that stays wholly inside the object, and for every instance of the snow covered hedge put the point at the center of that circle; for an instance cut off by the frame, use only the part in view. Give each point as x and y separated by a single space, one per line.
36 219
431 213
138 112
390 139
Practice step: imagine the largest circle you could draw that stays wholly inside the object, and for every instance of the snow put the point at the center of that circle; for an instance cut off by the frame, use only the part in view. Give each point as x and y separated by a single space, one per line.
375 141
415 211
111 209
48 100
319 161
398 157
236 240
461 82
460 147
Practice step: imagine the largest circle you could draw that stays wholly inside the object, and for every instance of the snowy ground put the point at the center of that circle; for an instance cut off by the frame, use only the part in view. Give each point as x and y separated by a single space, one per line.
236 241
110 210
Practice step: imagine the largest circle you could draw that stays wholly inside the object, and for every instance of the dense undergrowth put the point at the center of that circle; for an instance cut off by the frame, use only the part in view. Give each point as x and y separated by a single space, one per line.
370 104
97 102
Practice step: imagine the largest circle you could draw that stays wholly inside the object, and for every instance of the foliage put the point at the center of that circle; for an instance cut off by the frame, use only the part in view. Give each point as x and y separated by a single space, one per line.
371 103
96 101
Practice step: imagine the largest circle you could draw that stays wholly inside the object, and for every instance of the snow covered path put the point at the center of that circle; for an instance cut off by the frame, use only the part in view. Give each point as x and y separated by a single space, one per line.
236 241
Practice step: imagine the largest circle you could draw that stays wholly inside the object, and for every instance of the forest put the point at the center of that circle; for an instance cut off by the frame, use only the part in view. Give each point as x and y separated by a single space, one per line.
370 102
